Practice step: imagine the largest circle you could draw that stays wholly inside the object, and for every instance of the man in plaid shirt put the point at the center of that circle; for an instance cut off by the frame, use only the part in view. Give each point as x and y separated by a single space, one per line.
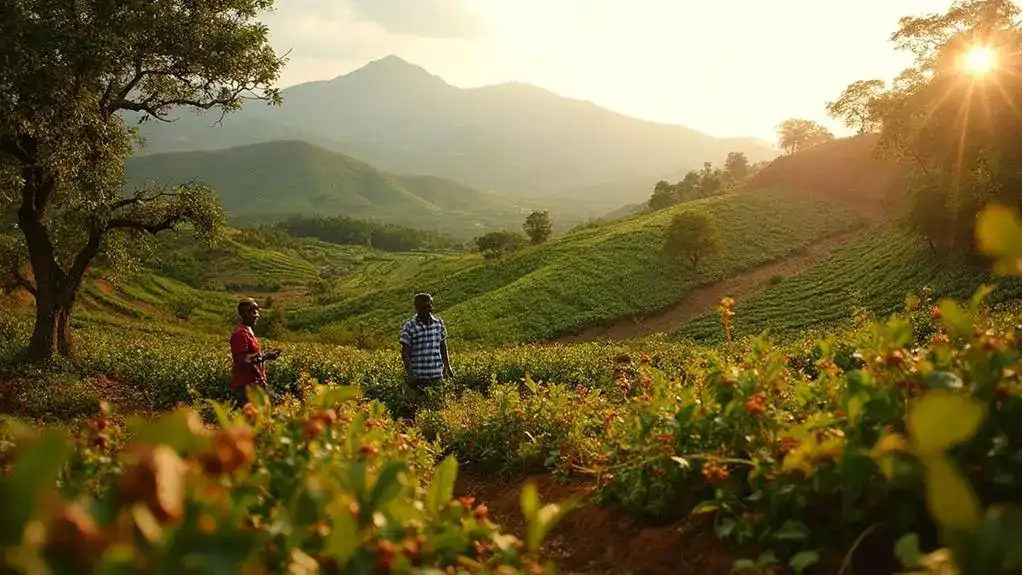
424 346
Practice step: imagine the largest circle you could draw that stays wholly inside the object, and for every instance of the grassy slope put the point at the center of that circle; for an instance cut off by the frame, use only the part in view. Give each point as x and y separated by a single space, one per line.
275 179
239 270
876 273
596 275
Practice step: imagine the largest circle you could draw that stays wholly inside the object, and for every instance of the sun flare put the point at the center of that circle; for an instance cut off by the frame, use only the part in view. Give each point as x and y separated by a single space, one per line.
979 61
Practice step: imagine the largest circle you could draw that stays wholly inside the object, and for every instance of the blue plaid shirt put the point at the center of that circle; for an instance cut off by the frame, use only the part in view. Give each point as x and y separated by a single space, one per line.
423 342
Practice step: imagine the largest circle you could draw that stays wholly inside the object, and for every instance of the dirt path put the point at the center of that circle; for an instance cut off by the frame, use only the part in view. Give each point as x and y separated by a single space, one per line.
706 298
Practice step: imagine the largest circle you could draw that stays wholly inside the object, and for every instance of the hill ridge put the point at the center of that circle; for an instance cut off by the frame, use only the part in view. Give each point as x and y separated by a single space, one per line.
294 177
512 138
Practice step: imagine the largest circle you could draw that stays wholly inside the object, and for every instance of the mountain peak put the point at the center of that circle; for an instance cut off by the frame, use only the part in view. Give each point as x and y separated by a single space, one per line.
393 69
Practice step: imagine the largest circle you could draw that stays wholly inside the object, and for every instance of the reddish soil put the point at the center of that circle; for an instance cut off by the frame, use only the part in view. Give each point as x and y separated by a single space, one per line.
595 541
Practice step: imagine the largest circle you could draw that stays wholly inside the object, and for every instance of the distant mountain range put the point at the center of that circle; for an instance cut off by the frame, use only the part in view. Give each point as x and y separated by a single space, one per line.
514 139
270 181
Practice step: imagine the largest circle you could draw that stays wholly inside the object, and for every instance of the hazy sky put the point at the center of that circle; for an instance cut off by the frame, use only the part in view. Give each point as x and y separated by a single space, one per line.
726 67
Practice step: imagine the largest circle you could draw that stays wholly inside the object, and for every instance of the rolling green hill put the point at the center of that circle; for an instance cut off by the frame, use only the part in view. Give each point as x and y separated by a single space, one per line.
516 139
598 274
269 181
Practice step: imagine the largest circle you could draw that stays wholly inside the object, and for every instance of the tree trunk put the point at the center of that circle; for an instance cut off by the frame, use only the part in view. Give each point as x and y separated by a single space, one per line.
65 339
43 345
55 289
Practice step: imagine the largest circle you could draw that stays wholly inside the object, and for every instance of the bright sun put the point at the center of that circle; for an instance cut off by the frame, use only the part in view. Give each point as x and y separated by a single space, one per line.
979 61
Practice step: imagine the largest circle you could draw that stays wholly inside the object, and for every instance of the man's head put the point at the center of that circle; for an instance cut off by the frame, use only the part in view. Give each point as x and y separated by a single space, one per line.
423 304
248 311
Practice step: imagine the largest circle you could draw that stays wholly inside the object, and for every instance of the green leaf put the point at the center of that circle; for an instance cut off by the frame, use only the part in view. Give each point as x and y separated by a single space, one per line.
257 395
855 405
907 551
544 520
172 430
35 471
999 235
949 497
334 395
941 419
792 531
529 500
743 565
344 538
388 485
958 321
804 559
442 489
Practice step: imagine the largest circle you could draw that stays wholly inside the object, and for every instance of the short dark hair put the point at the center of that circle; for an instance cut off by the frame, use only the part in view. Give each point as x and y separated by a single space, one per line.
422 296
247 304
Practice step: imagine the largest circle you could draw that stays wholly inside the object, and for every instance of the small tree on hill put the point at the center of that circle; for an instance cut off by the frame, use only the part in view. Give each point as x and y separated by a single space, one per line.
692 237
496 244
797 134
736 166
69 71
664 195
538 227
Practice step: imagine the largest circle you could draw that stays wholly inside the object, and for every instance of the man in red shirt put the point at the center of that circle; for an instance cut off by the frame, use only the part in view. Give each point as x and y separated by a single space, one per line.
247 354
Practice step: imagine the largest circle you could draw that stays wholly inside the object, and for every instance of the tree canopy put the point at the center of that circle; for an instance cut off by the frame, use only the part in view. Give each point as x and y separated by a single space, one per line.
954 122
692 237
68 73
538 227
798 134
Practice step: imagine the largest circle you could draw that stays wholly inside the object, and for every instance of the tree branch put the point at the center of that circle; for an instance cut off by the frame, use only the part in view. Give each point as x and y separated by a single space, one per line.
22 280
167 223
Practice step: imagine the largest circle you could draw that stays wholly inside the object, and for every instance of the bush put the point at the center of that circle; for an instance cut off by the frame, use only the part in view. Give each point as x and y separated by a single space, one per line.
358 495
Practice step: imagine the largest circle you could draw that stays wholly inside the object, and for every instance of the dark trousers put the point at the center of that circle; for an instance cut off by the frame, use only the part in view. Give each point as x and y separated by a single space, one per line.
240 399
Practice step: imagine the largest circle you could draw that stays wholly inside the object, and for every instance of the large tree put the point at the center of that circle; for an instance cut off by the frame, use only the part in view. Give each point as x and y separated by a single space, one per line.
953 116
799 134
857 106
68 73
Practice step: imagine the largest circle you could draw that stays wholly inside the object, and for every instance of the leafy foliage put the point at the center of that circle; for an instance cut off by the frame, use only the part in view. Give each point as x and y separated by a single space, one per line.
954 127
797 134
696 184
692 237
349 231
499 243
538 227
330 485
62 131
857 105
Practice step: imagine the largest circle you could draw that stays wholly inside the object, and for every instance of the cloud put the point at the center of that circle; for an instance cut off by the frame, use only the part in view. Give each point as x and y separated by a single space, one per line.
425 18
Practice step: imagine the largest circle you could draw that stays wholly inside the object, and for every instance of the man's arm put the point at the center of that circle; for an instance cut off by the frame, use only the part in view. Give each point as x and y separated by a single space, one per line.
446 358
406 358
443 351
405 340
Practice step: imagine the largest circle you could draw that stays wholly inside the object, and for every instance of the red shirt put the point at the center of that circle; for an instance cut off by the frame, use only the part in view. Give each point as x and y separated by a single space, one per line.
244 342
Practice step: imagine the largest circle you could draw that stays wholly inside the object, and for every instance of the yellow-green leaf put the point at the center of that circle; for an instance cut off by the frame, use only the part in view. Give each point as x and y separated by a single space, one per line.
957 320
941 419
999 233
949 497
